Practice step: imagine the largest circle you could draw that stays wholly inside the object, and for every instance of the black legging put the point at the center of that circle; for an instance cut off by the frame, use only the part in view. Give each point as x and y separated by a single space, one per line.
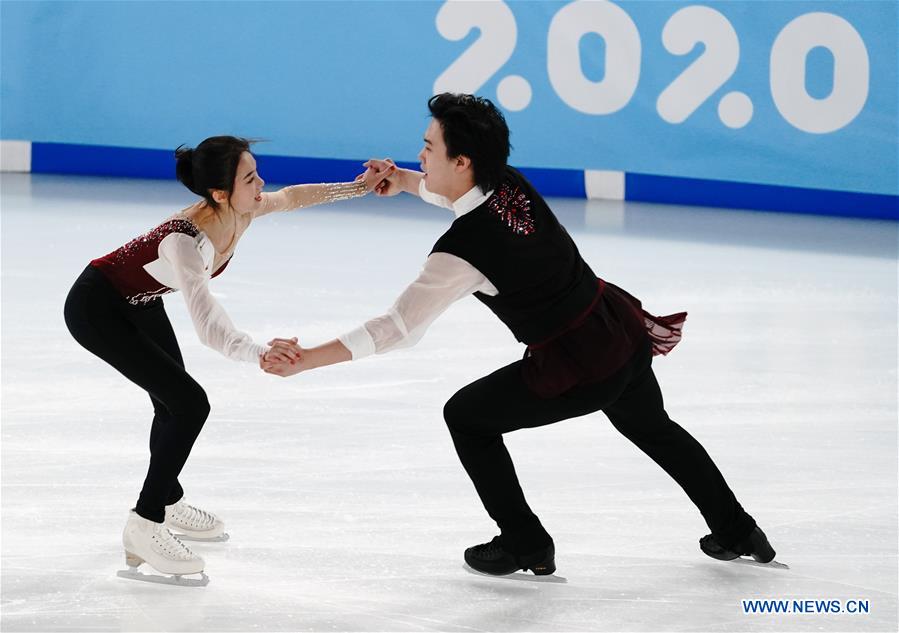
478 415
139 342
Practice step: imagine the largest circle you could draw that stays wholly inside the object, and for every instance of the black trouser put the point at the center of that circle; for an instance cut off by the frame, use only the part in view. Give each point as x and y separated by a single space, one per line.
478 415
139 342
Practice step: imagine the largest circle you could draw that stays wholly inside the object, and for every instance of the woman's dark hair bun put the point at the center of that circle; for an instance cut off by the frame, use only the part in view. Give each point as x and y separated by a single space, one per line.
184 167
211 165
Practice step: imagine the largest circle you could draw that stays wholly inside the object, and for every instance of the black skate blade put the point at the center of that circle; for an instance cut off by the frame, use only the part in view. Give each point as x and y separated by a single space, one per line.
519 576
216 539
770 565
132 573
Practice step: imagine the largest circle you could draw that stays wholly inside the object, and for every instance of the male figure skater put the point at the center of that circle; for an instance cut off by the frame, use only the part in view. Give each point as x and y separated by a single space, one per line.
589 343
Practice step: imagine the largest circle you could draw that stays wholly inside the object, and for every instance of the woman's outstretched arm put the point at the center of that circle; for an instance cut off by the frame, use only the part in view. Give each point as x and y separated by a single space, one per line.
301 196
210 320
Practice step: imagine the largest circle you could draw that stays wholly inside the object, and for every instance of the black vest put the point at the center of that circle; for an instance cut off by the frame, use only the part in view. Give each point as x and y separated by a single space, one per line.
514 239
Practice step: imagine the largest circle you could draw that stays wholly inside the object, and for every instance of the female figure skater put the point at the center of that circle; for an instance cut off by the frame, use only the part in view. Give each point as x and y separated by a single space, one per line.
590 343
115 311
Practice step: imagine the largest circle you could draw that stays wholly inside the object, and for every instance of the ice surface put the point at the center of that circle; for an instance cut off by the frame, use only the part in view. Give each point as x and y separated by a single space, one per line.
346 505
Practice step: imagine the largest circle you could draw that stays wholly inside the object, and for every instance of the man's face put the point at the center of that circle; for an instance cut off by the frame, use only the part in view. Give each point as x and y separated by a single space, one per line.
440 170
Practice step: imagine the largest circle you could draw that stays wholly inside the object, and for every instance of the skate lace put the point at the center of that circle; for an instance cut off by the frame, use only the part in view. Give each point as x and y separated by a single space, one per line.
169 544
193 516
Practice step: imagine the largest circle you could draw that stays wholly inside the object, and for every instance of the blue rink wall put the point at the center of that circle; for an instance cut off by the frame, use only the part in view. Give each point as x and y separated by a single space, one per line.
780 105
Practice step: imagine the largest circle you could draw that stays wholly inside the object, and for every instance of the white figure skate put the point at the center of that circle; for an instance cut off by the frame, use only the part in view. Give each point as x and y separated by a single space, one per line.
149 542
190 523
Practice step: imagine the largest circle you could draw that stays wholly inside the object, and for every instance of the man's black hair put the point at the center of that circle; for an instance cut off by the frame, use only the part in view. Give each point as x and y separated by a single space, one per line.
474 127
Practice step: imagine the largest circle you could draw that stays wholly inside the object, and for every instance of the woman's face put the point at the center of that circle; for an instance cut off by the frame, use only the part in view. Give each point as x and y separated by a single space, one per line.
246 194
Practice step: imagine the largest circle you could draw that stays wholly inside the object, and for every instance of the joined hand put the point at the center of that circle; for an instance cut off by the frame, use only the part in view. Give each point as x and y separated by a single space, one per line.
390 185
284 358
376 174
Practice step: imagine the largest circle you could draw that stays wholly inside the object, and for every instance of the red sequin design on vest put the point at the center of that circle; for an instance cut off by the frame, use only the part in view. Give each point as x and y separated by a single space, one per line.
513 208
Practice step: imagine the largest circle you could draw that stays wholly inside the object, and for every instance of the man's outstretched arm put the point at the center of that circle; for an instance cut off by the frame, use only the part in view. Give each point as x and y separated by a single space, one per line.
407 180
444 279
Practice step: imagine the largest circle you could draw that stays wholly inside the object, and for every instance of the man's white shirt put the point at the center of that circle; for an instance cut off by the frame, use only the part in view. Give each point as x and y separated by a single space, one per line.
444 279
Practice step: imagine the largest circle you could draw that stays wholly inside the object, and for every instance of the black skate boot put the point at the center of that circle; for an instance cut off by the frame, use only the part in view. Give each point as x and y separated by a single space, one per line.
755 545
492 558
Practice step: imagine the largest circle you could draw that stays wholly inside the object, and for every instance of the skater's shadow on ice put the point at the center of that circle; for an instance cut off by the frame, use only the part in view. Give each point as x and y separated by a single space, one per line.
519 577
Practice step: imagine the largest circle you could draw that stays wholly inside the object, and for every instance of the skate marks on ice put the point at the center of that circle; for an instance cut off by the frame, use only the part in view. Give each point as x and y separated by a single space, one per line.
519 576
133 573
